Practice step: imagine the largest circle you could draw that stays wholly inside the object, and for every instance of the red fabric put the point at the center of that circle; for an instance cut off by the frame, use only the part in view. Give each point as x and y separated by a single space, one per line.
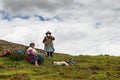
1 54
28 58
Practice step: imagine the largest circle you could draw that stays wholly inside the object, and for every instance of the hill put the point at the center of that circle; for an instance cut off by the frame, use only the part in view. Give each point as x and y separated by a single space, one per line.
10 45
13 46
87 68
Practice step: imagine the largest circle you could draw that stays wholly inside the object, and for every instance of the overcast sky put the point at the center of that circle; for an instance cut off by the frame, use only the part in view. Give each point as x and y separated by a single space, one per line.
89 27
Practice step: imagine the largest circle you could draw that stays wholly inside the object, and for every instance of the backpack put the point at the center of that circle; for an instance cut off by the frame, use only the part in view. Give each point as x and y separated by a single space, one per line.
71 62
19 51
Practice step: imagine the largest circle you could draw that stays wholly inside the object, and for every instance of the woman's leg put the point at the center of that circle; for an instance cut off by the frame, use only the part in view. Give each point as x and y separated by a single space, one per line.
40 58
48 54
51 54
36 63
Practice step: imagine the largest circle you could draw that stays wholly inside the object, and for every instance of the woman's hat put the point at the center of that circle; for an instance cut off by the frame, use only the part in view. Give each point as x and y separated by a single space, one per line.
48 32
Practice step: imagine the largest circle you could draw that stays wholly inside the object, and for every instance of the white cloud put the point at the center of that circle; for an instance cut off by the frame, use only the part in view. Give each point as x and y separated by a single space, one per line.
73 38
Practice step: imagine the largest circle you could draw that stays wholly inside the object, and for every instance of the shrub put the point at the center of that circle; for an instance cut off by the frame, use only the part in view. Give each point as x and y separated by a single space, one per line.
95 67
107 55
17 57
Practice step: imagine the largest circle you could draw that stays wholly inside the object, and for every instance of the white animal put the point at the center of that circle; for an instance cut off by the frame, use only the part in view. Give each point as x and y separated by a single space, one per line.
60 63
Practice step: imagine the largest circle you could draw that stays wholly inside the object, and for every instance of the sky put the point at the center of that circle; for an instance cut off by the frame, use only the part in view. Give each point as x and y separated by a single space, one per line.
81 27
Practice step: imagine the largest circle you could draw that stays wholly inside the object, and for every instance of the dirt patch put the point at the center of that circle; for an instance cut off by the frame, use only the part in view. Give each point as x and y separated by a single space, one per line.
20 77
2 66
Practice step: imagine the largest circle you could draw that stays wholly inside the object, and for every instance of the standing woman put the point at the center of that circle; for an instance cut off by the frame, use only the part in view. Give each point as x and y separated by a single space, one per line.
48 44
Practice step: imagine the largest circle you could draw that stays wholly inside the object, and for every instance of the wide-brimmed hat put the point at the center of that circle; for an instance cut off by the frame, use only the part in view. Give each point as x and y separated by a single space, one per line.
48 32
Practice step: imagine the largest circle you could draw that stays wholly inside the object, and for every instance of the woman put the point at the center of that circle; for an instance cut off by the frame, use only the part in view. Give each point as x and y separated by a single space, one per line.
5 53
32 55
48 44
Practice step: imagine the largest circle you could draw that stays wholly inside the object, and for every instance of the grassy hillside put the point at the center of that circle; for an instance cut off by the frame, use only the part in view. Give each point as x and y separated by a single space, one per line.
87 67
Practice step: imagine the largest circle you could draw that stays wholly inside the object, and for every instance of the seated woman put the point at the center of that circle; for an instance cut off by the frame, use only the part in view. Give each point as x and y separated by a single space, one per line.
5 53
32 55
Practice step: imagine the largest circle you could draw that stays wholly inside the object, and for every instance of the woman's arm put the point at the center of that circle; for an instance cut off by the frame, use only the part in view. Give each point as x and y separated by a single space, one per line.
53 38
44 40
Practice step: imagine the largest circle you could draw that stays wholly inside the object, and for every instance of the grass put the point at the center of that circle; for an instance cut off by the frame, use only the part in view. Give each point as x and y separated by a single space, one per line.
87 68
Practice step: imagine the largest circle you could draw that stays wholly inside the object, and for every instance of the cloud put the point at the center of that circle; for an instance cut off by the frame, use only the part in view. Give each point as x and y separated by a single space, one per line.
72 38
75 10
49 5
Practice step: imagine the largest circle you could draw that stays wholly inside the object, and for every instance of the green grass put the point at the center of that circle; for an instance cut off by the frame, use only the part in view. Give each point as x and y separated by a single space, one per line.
87 68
